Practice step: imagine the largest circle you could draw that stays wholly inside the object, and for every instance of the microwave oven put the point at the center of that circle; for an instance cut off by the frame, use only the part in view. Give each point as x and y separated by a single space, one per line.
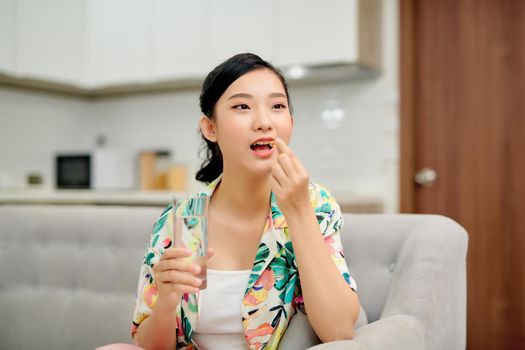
94 170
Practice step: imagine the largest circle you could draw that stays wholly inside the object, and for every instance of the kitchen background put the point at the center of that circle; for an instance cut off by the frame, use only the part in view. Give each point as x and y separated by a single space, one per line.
346 131
122 77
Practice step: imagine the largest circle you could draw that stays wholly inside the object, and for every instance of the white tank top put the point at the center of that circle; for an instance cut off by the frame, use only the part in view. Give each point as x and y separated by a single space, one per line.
220 320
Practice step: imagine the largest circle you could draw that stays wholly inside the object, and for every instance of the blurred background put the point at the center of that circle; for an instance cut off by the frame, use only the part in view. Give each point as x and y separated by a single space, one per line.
408 106
117 79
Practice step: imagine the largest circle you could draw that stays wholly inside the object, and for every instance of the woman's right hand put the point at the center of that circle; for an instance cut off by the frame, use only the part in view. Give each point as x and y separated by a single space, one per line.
174 276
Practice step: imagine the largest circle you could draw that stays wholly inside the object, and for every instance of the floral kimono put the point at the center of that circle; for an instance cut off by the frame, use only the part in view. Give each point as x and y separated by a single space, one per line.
273 292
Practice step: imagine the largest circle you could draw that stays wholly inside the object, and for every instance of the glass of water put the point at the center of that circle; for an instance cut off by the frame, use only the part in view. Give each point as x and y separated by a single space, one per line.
190 229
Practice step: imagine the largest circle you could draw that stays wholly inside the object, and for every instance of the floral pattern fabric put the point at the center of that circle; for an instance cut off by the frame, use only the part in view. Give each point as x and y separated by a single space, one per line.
273 293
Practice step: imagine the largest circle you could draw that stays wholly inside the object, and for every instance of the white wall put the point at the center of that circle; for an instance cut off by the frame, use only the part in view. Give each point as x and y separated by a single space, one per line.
359 157
32 127
165 121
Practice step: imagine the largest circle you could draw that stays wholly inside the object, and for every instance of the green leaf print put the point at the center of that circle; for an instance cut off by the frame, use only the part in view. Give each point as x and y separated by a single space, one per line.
324 208
288 293
253 278
167 209
187 327
155 239
281 272
148 258
285 271
346 276
192 306
262 253
159 224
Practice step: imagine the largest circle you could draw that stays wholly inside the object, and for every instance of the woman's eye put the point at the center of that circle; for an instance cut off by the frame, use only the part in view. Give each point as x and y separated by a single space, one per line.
241 106
279 106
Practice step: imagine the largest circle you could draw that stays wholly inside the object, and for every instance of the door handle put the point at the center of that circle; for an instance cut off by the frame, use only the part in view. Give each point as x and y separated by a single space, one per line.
426 177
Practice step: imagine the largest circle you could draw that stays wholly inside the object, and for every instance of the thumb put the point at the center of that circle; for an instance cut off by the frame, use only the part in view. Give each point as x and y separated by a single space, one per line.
211 252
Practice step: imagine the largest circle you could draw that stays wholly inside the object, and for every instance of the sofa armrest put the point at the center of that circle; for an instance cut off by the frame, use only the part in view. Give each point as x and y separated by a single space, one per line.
396 332
429 282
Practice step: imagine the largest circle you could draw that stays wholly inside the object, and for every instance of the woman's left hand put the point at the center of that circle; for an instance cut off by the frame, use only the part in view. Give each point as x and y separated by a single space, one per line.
289 180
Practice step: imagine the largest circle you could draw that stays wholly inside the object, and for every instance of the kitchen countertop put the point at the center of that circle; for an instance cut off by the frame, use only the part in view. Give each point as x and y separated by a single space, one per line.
160 198
98 197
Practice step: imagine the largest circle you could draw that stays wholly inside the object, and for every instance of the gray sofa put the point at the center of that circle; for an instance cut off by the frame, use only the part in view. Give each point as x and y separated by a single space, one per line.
69 274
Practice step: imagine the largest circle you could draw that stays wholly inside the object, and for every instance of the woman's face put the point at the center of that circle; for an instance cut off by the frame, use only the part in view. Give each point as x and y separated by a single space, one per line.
249 115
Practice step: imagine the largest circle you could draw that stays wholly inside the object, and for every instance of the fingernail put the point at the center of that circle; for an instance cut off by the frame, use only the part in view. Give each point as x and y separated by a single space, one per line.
197 282
197 269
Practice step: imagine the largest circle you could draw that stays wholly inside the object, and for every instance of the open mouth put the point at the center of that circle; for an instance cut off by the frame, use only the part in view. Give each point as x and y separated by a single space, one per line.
262 145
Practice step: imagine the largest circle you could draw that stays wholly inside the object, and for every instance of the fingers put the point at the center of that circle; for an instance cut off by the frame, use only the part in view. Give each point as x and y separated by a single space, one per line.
174 253
179 282
282 147
278 174
176 264
174 273
287 155
177 278
288 168
286 164
211 252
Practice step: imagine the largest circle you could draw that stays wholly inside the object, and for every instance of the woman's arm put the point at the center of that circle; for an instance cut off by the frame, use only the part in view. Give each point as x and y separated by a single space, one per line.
159 330
332 305
173 278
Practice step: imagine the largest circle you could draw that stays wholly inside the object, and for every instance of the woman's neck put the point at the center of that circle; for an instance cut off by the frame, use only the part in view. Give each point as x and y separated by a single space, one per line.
245 195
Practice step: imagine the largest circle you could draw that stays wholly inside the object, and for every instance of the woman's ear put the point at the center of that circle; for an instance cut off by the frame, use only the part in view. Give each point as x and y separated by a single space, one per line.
208 128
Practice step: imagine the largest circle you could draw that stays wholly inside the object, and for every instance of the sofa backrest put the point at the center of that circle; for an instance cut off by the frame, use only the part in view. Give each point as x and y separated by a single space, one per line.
69 273
372 243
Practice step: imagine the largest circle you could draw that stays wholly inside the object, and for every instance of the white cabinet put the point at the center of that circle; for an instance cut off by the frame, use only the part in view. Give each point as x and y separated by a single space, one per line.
7 10
50 39
237 26
145 41
314 32
178 39
101 44
119 45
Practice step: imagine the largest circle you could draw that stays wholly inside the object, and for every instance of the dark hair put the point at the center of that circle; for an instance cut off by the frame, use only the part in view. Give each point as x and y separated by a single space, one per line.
217 81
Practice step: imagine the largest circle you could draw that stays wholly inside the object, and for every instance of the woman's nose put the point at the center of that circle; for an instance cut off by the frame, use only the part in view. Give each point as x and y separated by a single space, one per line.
263 121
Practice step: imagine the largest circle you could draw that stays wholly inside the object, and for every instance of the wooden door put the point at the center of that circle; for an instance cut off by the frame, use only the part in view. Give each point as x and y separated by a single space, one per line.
463 115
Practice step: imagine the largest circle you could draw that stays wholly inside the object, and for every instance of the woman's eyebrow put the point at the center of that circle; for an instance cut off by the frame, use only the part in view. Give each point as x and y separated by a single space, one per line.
245 95
241 94
277 94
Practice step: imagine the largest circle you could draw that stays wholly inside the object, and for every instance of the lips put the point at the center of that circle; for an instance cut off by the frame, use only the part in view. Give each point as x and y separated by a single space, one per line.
263 146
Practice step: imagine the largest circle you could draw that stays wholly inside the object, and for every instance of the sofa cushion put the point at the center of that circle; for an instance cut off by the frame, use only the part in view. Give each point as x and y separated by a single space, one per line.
59 318
69 274
300 334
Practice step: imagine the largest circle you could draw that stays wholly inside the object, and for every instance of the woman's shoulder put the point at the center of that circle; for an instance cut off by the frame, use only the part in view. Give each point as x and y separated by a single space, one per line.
326 209
320 196
162 220
182 202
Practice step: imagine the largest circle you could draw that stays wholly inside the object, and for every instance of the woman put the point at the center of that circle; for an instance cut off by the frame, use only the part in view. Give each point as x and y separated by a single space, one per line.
273 234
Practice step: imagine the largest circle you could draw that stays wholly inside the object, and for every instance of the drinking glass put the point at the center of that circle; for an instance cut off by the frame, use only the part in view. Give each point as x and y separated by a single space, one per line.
190 229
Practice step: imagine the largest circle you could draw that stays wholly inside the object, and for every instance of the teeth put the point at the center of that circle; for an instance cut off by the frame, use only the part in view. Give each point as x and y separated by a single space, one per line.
269 144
